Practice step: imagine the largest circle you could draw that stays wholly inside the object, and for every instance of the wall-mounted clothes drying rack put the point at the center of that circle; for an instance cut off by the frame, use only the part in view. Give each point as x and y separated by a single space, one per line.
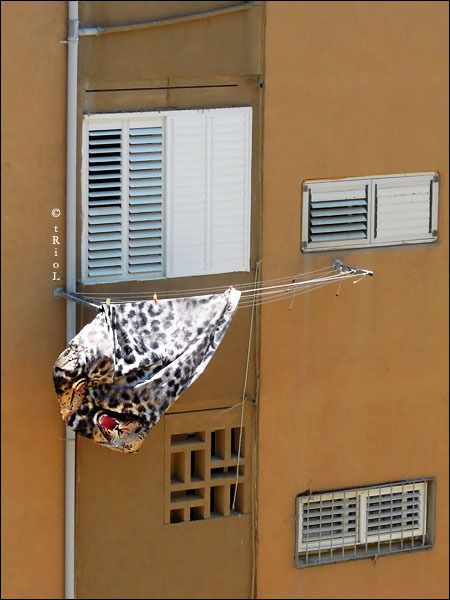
252 294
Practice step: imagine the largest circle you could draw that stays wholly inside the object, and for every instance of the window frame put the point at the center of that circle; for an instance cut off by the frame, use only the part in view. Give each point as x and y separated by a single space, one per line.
145 119
365 545
370 241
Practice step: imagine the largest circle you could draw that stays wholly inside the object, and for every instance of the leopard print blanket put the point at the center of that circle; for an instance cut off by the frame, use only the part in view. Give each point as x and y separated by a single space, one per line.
128 366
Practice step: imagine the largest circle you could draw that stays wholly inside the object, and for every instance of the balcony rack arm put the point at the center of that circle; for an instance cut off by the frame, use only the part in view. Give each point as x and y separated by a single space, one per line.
59 292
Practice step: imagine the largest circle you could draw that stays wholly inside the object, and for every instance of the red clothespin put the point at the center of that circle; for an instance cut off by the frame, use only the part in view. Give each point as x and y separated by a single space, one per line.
155 298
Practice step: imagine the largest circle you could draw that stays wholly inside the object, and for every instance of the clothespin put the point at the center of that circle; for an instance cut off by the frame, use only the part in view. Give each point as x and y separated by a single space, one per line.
292 298
155 298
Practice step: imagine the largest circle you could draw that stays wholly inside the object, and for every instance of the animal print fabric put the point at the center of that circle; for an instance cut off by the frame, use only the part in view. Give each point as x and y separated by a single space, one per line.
128 366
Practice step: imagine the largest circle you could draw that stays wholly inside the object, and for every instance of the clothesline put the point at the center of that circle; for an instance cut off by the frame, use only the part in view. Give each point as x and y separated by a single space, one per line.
218 288
263 292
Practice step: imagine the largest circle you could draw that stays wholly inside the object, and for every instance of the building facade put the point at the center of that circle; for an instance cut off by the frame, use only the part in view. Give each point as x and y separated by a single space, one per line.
342 388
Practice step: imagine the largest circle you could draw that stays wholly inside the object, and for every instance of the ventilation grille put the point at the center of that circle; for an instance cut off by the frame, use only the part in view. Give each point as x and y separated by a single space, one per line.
395 514
105 203
363 522
145 201
336 215
403 209
371 211
330 519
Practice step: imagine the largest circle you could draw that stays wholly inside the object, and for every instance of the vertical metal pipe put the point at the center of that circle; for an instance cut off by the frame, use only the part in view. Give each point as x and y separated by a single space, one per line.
71 213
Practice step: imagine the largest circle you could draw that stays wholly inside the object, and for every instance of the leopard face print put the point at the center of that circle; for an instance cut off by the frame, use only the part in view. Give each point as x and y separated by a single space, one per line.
128 366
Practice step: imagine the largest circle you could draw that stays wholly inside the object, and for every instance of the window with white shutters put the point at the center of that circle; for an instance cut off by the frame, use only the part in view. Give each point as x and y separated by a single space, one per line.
364 522
166 194
371 211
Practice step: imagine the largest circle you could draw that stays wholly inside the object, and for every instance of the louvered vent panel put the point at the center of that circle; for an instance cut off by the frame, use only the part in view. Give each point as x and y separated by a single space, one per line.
363 522
395 513
145 215
329 521
338 214
105 203
403 208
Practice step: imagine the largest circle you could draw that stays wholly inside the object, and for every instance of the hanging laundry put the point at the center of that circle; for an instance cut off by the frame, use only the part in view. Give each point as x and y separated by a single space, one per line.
129 365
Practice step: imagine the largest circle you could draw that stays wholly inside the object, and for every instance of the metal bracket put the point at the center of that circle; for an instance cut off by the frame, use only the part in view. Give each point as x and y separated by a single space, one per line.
257 80
59 292
339 264
72 33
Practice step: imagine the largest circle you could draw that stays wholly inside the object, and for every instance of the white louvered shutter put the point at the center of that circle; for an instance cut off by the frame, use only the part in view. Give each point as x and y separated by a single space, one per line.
145 201
337 213
186 194
395 512
405 209
122 200
328 520
104 203
208 191
230 172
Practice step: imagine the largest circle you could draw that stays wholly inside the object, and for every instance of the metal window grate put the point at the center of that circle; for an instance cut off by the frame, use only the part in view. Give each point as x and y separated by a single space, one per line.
364 522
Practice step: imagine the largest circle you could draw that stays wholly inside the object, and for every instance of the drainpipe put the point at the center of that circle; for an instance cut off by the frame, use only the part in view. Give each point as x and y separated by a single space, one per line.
71 214
205 14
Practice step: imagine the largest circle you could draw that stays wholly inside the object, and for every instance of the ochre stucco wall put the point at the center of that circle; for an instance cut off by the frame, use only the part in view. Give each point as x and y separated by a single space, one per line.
353 388
33 323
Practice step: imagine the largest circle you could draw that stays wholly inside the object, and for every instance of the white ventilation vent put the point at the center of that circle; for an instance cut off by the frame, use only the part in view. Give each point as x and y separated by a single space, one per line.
329 519
403 209
396 512
371 211
166 194
363 522
338 214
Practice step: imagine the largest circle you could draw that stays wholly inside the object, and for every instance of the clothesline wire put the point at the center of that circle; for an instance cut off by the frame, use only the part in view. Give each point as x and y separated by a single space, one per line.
251 294
244 390
295 284
240 286
277 292
282 296
291 290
